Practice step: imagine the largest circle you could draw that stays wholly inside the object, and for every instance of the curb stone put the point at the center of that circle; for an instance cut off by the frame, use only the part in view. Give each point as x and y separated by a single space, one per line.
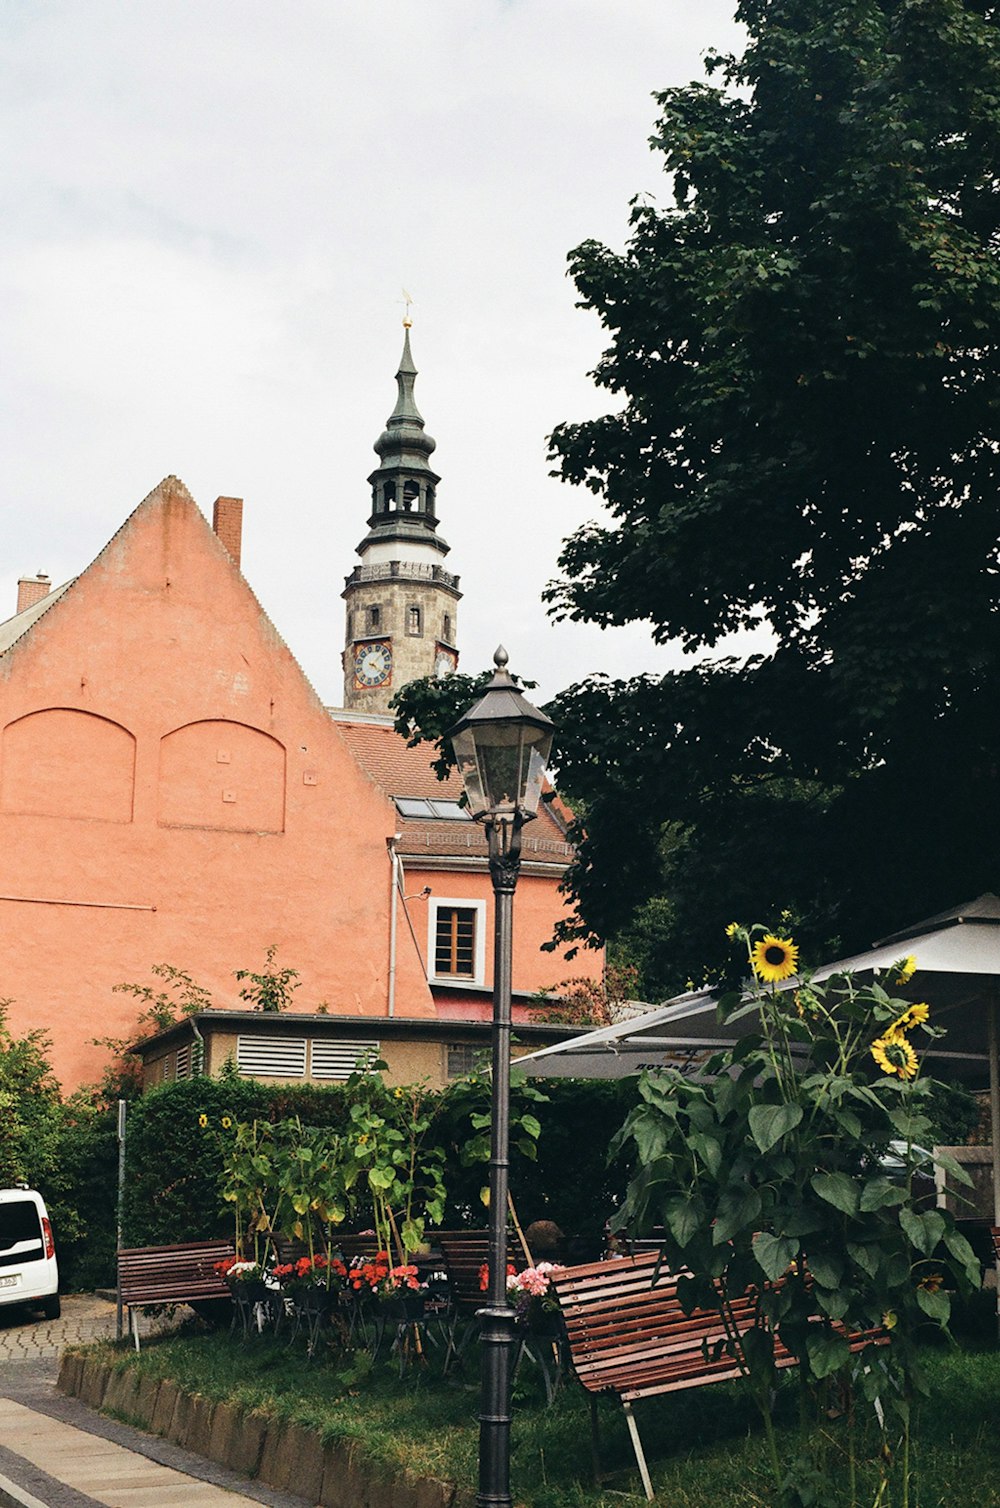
163 1409
285 1456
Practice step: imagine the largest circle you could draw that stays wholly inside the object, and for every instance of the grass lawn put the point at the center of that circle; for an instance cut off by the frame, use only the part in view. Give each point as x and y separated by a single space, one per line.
705 1448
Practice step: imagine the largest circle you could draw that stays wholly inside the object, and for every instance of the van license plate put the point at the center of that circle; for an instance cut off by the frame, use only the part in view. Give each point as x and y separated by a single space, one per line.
10 1282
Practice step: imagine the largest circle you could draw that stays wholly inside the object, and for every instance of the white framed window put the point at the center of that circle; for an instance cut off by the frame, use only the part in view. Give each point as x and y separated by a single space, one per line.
337 1059
272 1057
456 944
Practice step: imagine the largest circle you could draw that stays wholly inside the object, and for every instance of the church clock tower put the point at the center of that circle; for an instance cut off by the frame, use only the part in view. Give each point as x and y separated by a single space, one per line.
401 602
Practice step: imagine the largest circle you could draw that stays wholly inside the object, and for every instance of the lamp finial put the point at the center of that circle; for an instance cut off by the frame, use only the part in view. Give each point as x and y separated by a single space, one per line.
500 657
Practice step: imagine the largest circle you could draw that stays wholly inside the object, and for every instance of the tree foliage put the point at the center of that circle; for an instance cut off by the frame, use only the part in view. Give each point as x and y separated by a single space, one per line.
65 1149
805 347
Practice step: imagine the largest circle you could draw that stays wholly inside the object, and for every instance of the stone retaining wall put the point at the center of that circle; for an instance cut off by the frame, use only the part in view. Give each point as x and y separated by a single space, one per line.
286 1456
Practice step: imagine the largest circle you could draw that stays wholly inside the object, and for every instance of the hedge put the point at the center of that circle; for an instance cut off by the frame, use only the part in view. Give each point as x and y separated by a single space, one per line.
172 1167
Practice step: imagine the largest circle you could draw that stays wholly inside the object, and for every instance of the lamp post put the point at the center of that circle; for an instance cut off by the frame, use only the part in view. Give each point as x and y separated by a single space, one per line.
501 745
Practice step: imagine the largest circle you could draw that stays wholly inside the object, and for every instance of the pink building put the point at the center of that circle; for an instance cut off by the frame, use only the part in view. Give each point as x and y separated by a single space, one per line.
173 791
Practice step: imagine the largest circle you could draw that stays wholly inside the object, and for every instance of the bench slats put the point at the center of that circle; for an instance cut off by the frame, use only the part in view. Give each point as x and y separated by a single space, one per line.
172 1274
628 1334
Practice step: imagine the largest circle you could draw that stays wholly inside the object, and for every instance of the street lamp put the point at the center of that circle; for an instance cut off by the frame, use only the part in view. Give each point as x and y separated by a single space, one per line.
501 744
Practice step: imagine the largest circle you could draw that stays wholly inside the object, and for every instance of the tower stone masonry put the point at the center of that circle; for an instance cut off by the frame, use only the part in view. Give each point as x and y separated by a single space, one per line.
401 600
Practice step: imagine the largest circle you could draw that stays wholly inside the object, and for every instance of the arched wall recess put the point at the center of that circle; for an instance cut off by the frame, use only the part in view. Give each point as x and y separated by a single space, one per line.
64 762
220 774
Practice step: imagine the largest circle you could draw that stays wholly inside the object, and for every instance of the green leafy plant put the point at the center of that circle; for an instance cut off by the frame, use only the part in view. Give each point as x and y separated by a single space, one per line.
766 1174
179 997
272 989
467 1108
280 1179
65 1149
394 1161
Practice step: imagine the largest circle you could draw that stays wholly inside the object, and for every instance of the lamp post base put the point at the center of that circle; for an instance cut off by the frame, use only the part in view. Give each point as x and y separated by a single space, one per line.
497 1339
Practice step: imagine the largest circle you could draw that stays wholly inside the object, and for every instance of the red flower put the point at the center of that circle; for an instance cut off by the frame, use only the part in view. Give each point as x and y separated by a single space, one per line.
484 1275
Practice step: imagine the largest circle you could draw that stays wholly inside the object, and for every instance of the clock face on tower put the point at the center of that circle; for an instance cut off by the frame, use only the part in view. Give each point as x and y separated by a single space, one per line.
372 664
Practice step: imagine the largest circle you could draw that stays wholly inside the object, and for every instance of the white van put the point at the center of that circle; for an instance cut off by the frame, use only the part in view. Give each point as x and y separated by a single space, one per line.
29 1272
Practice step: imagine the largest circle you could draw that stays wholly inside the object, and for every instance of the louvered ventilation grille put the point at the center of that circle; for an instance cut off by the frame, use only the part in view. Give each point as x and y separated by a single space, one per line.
338 1060
183 1069
272 1057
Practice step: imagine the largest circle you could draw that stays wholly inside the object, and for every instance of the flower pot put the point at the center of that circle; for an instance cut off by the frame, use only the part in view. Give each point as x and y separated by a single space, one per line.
404 1305
314 1301
547 1324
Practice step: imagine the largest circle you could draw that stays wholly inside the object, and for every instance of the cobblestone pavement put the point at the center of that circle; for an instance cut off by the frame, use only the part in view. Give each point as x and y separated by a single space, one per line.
24 1336
69 1456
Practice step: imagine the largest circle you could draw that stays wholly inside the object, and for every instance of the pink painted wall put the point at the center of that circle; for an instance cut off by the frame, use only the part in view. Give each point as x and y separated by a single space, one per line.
171 790
537 905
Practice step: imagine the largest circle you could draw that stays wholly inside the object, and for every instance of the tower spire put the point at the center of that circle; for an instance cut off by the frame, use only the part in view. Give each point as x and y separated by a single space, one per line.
401 601
404 488
406 407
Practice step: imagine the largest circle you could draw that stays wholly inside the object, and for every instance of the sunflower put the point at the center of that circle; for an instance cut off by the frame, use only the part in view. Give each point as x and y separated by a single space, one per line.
893 1054
932 1282
907 968
774 958
732 930
226 1123
914 1015
203 1121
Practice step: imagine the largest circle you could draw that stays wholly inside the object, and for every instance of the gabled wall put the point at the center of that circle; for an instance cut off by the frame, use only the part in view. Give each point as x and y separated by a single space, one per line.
172 790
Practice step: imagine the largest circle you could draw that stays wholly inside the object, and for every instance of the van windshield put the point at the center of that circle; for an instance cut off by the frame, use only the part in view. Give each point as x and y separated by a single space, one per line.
18 1222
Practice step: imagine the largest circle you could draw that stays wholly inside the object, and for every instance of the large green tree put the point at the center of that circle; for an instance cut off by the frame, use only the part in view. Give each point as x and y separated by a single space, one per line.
804 352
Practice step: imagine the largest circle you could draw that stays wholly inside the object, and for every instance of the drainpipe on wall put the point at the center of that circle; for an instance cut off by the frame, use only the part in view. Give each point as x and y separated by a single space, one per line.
199 1050
394 887
398 887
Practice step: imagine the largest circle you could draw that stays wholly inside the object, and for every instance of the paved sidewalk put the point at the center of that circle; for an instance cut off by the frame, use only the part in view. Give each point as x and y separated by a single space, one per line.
99 1471
57 1453
85 1317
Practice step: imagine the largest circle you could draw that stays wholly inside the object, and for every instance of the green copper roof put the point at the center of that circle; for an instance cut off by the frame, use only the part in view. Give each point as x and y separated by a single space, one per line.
404 487
404 431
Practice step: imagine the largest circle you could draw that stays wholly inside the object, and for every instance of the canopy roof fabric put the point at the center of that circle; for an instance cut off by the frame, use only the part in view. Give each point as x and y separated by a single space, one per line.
958 973
957 956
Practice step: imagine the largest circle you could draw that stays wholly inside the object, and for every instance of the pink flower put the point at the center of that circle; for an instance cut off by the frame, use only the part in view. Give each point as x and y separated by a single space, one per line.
533 1281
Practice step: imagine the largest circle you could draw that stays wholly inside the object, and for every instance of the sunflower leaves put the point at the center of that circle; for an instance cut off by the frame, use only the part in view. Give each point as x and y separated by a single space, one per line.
769 1123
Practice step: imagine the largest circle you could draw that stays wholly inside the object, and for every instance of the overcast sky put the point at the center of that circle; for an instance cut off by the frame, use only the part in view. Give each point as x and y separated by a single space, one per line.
207 214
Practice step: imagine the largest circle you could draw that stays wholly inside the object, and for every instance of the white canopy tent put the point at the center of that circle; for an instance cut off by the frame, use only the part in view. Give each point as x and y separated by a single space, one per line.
958 974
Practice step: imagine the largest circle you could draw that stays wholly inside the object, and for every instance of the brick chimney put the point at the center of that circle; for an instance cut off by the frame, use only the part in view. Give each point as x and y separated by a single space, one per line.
31 589
227 521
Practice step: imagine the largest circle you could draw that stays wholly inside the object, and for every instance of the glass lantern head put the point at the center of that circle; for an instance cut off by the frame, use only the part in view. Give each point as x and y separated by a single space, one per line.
502 746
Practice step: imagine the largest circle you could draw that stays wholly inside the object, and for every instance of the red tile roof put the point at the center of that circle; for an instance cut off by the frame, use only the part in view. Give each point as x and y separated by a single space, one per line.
400 771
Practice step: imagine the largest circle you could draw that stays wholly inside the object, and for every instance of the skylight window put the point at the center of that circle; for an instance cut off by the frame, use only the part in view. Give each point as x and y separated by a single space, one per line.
442 811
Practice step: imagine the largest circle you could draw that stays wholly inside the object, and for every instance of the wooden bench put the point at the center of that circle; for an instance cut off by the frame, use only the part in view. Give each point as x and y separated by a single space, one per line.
628 1335
170 1275
464 1254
